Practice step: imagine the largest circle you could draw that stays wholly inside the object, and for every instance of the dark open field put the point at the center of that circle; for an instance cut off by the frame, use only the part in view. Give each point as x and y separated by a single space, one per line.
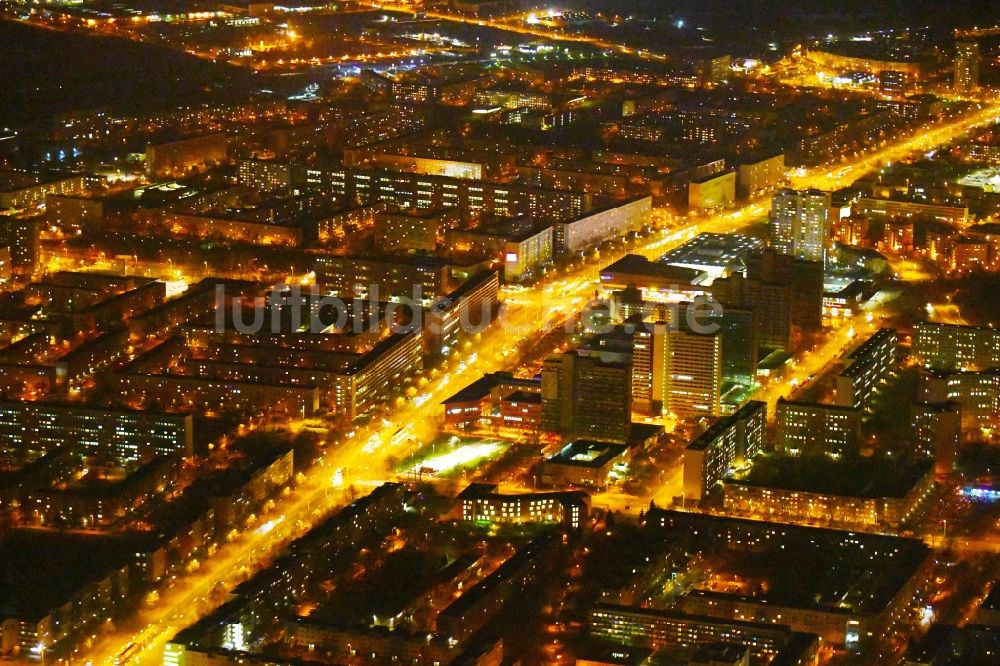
45 73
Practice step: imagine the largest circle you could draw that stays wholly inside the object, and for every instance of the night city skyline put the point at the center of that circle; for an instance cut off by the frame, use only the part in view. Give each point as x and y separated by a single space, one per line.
499 332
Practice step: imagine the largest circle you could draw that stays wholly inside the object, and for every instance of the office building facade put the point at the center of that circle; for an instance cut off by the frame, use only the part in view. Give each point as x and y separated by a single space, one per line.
693 374
585 397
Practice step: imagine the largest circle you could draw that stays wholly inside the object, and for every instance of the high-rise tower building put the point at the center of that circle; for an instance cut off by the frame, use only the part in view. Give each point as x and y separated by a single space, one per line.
693 373
583 396
966 66
800 224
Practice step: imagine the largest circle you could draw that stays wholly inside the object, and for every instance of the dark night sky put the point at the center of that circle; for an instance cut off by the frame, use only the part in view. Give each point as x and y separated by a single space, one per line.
44 73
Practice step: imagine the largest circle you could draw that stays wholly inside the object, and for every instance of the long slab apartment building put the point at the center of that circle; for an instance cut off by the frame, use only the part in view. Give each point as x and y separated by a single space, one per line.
300 372
954 347
733 439
577 222
295 378
413 190
40 427
868 366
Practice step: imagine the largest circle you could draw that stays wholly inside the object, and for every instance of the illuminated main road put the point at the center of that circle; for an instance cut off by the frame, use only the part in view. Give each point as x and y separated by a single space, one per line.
364 457
516 24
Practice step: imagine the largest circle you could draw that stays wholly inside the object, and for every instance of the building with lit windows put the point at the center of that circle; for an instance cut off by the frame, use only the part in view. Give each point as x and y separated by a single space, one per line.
830 141
785 294
800 223
977 394
381 373
648 366
650 320
587 228
527 253
730 441
264 175
33 428
513 99
868 366
256 227
969 254
712 192
79 585
812 428
857 58
891 208
180 156
482 502
241 492
290 372
977 642
330 229
404 232
693 373
603 178
585 397
937 432
521 410
88 501
21 236
383 276
462 313
894 82
479 605
416 86
436 160
471 197
862 493
199 300
954 347
182 392
655 628
986 152
850 599
759 176
496 399
524 246
711 69
23 189
74 211
584 463
740 353
967 56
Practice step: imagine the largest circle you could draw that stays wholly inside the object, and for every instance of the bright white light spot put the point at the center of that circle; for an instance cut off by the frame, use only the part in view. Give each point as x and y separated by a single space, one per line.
460 456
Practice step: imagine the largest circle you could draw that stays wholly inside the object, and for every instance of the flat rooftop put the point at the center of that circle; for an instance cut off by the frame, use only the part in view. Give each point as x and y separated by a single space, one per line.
710 250
11 181
587 453
715 430
860 477
481 388
635 264
479 490
826 570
